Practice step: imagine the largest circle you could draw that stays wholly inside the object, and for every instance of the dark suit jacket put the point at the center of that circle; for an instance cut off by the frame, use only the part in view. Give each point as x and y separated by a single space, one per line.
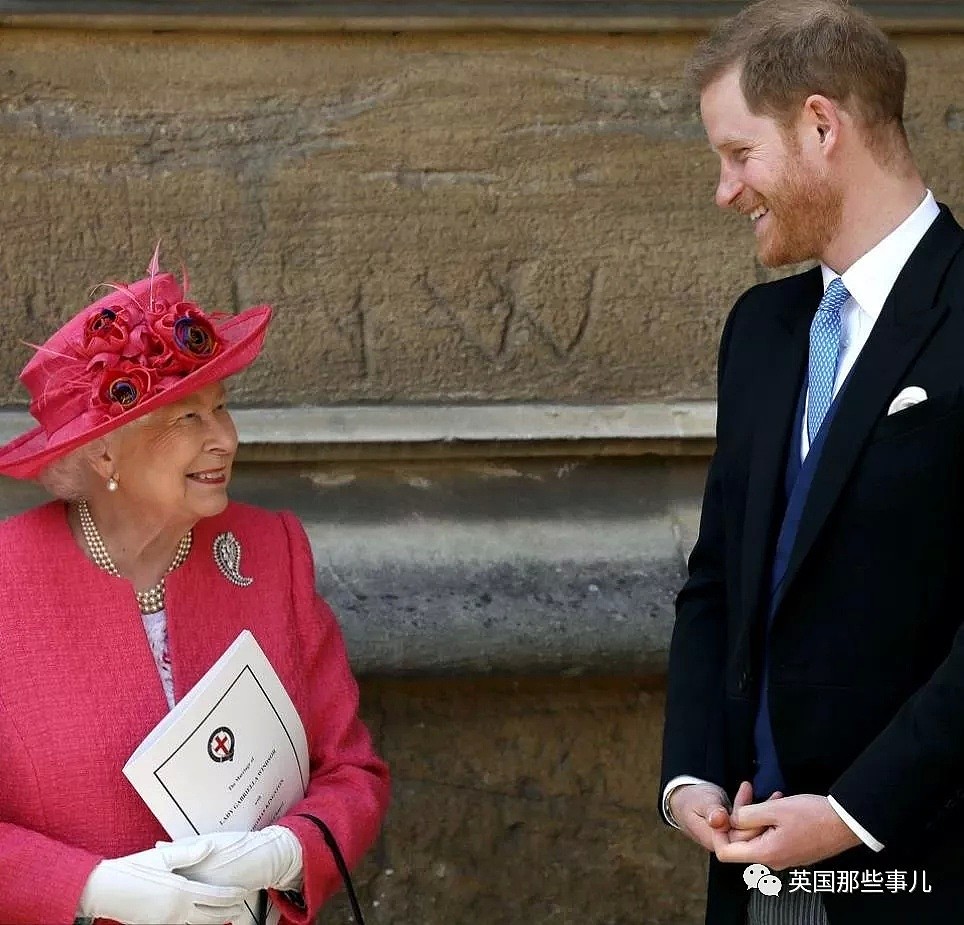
866 657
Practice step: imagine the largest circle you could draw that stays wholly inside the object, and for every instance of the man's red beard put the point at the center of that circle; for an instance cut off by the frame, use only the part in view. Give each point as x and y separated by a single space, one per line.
805 214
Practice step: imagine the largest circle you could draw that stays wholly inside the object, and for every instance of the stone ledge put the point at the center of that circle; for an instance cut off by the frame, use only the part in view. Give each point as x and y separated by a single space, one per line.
570 595
523 567
358 432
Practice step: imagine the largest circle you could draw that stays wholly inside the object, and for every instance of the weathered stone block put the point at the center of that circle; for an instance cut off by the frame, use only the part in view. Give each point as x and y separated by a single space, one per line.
524 801
436 217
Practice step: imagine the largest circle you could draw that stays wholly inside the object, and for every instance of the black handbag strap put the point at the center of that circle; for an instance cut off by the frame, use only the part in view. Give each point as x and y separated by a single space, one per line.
340 864
332 844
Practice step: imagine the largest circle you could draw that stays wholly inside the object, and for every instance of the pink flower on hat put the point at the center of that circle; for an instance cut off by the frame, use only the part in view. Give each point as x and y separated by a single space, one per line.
167 340
111 334
107 330
181 339
121 387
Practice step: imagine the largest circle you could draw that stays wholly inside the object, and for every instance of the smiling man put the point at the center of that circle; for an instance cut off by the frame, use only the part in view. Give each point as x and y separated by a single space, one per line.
815 707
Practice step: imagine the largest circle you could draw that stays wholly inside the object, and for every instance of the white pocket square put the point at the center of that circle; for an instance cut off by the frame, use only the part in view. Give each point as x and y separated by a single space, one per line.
912 395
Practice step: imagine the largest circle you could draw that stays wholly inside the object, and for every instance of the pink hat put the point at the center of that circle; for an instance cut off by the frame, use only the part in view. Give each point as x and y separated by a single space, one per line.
137 349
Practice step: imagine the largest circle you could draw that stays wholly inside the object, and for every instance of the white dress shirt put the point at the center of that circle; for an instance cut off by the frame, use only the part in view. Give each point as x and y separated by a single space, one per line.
869 282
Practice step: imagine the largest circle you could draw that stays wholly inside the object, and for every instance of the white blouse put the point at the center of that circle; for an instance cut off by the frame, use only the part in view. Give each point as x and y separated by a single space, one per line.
155 625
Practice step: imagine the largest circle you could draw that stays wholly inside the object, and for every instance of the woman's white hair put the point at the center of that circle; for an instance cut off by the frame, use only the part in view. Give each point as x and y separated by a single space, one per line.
69 477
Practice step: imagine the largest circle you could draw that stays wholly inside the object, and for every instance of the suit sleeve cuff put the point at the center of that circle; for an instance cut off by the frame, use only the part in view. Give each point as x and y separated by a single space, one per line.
678 782
855 826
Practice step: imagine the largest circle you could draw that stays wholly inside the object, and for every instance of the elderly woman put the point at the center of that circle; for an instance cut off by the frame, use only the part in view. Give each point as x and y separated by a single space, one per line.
115 600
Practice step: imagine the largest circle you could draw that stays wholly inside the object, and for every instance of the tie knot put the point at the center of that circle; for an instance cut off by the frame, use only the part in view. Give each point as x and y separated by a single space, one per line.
836 295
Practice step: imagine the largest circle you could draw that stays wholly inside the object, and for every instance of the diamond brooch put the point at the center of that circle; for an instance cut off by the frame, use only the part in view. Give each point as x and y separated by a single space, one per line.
227 555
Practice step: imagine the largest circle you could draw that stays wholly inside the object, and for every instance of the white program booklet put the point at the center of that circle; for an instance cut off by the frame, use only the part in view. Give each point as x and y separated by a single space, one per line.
231 756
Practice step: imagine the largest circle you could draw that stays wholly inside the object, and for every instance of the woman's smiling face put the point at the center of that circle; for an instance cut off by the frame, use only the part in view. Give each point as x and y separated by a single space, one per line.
175 463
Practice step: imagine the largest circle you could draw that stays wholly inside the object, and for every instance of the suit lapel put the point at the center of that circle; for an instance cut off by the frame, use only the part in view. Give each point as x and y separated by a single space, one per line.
779 390
909 316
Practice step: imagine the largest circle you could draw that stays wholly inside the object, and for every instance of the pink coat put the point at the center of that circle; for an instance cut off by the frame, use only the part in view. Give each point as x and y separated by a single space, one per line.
79 690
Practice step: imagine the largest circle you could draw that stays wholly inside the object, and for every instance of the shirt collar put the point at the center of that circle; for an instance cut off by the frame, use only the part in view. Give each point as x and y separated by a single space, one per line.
871 278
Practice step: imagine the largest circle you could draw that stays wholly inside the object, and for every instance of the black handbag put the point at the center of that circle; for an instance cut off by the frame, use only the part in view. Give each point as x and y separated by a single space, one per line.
339 863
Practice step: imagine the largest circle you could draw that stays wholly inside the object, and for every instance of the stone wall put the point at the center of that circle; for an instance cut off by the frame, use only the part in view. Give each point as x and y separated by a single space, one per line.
524 801
436 217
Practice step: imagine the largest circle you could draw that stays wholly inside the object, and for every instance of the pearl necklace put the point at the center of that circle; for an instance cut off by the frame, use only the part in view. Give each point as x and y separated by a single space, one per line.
151 600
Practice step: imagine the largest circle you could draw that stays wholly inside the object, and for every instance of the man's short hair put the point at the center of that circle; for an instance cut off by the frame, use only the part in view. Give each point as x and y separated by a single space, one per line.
788 50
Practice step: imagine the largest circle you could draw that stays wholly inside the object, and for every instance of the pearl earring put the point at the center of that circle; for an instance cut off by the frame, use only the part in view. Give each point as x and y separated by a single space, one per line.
112 483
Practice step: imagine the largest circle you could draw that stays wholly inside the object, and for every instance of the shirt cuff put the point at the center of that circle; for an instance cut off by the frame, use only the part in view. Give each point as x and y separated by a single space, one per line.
855 826
678 782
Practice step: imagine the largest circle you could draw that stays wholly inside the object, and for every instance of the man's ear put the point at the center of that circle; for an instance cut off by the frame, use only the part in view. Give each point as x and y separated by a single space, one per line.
821 123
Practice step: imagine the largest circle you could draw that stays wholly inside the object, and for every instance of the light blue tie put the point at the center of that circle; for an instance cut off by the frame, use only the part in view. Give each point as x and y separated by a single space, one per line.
824 354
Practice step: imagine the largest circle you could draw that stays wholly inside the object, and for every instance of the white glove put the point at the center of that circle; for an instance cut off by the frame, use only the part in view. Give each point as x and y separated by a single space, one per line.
269 858
141 889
